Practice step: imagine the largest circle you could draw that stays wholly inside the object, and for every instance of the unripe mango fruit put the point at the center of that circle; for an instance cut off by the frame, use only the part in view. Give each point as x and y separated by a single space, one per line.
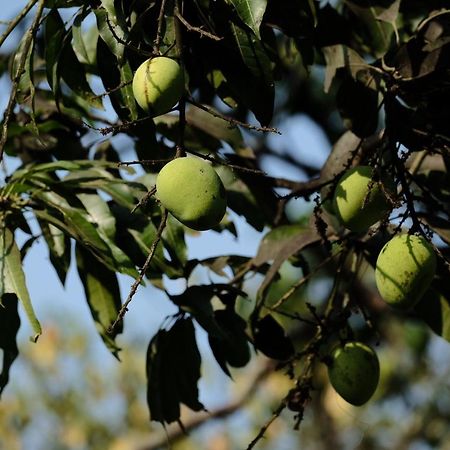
359 201
354 372
192 192
158 85
404 270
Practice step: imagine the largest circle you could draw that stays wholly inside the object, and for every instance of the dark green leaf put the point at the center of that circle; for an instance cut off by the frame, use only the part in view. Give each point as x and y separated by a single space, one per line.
295 18
186 361
174 242
434 309
196 300
233 349
102 294
58 244
9 326
358 106
270 338
54 32
12 277
173 371
162 398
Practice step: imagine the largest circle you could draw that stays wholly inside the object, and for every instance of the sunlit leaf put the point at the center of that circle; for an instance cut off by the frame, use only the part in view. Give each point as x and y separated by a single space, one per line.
12 277
251 12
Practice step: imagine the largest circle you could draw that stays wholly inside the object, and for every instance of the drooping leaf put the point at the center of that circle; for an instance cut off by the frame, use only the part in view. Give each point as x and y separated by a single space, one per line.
101 215
12 277
102 294
162 398
54 32
270 338
84 43
112 33
434 309
173 371
58 244
186 361
251 12
174 242
196 300
358 107
25 86
233 349
9 326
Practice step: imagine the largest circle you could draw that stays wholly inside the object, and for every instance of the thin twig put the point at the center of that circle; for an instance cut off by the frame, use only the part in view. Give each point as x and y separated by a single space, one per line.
199 30
264 428
144 199
110 91
302 281
232 120
13 23
124 43
138 281
160 25
16 79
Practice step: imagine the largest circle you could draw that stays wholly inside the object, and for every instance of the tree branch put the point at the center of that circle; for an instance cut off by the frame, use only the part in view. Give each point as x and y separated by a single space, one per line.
12 98
138 281
13 23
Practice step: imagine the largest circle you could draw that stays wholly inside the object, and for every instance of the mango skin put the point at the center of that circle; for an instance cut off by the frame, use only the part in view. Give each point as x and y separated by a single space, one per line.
354 372
192 192
158 85
355 208
404 270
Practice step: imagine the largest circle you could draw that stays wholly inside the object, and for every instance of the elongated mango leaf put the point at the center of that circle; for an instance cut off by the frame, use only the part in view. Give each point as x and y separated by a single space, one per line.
113 33
75 218
58 244
251 12
84 43
101 215
174 242
173 371
9 326
102 294
54 32
12 277
186 361
162 398
126 75
259 93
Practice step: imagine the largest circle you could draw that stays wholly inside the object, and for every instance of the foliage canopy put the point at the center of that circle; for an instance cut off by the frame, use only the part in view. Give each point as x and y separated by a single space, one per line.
382 65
